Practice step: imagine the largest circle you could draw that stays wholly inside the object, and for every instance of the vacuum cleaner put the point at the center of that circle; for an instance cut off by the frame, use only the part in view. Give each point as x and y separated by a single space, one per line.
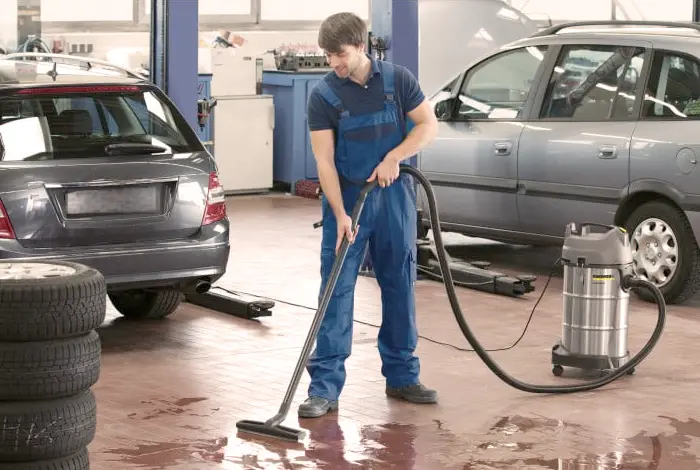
598 276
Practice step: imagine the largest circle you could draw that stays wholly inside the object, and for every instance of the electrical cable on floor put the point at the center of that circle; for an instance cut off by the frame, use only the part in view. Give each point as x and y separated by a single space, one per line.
522 335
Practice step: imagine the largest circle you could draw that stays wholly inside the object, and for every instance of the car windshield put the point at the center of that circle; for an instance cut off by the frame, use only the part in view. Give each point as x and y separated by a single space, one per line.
89 122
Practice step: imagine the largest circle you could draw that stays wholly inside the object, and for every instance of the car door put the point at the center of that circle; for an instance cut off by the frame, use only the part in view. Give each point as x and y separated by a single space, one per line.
472 164
573 164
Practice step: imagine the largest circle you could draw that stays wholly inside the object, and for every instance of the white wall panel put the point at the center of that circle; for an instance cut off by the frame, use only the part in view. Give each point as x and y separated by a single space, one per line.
558 10
86 10
216 7
287 10
658 10
8 25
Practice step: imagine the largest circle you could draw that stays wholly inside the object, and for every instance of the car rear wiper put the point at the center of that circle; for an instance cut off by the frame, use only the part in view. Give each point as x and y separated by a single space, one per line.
132 149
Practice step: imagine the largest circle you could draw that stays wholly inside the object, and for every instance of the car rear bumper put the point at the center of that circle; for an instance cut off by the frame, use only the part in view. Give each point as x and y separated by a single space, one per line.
143 265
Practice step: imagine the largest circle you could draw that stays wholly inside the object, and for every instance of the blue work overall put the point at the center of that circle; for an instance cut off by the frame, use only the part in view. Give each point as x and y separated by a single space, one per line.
388 224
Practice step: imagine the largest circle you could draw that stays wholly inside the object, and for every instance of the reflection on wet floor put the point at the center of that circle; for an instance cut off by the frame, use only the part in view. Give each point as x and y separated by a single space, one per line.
170 392
514 442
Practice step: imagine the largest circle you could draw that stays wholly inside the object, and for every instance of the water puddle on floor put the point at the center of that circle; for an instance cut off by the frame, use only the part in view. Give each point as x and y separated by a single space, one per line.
522 442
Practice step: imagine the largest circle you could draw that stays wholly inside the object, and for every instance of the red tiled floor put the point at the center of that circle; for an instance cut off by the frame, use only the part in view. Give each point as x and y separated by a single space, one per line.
171 392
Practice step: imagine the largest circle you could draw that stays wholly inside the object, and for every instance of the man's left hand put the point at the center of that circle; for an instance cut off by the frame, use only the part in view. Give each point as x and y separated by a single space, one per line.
386 172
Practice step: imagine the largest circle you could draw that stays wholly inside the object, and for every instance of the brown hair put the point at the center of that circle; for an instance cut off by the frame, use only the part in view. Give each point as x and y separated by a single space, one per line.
342 29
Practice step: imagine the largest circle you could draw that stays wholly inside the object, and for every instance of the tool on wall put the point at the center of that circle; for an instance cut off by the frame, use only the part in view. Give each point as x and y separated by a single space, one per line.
379 44
204 108
598 262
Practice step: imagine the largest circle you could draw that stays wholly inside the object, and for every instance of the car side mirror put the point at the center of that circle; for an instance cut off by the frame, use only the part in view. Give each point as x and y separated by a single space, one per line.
443 109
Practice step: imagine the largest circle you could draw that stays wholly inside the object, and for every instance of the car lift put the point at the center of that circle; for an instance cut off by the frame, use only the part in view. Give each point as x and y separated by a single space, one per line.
474 275
232 303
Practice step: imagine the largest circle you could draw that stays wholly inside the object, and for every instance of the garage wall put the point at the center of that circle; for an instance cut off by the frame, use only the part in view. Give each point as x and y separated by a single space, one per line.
8 24
571 10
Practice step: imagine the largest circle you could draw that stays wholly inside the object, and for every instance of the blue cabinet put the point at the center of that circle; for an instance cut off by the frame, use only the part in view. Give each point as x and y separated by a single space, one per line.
293 159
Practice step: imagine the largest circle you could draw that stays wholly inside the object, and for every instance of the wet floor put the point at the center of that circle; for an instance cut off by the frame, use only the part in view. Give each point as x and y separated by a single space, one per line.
171 392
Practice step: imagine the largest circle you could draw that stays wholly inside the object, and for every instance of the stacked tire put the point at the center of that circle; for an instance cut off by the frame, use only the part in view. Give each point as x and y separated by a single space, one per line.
49 360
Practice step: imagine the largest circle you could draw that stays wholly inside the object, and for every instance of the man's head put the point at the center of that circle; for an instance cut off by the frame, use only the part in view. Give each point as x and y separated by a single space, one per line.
342 37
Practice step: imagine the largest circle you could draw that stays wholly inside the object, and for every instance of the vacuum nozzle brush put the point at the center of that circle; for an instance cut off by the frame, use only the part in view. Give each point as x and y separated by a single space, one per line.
271 430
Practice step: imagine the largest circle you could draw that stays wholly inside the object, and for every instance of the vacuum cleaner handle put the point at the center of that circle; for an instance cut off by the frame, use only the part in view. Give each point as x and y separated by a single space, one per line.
359 205
366 189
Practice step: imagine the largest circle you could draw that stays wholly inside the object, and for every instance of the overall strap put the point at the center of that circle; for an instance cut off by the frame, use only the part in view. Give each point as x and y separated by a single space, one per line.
388 75
329 95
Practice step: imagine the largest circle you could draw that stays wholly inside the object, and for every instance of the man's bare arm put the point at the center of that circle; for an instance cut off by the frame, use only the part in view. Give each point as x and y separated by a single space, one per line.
422 134
322 144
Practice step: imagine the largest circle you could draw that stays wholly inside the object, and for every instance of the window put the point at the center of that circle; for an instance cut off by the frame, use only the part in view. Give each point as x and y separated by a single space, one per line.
674 87
499 87
54 125
286 10
594 83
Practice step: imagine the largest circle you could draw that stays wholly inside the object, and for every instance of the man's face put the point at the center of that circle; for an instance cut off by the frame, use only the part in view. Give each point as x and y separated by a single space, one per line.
346 61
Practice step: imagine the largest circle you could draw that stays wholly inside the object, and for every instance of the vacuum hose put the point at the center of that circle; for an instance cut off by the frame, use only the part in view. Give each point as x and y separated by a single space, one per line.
628 282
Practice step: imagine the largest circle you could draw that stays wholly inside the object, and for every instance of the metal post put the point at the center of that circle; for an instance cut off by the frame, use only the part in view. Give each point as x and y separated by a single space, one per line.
396 22
159 44
174 50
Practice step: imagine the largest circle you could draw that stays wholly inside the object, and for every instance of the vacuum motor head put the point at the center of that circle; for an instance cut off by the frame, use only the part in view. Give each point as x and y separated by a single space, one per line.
608 246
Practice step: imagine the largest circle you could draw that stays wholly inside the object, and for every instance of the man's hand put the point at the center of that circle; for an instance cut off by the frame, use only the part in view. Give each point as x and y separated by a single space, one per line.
386 172
344 223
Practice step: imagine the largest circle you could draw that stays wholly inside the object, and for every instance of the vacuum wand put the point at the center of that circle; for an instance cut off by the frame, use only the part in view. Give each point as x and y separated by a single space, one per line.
273 428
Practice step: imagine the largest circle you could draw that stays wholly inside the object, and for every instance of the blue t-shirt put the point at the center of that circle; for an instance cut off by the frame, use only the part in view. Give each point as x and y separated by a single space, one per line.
358 99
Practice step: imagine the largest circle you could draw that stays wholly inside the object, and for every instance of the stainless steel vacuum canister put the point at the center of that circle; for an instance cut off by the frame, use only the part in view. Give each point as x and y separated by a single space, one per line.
594 323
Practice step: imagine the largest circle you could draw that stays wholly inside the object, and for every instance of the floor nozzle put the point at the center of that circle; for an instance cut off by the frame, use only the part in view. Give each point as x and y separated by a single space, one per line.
264 429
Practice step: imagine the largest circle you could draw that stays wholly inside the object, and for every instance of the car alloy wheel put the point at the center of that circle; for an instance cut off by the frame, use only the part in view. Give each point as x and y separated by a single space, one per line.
21 271
655 251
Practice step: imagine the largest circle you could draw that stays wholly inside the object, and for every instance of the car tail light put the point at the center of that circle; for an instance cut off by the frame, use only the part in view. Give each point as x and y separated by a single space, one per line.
216 201
6 231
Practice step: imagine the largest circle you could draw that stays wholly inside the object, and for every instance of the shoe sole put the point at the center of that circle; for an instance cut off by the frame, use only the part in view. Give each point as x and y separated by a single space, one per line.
318 414
418 400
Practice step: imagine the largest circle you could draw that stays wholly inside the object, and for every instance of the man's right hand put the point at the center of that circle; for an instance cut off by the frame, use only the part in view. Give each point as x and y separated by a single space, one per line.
344 223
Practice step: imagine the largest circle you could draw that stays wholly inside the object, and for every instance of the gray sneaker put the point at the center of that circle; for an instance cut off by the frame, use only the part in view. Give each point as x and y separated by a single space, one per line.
315 407
414 393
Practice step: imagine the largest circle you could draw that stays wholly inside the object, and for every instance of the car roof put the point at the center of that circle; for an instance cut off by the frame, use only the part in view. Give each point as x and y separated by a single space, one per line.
37 69
660 32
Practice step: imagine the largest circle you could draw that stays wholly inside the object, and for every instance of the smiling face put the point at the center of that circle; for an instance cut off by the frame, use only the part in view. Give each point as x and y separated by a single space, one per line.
342 37
346 61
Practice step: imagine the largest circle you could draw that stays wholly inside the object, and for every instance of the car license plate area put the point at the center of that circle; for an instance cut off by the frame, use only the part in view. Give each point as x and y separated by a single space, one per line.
125 200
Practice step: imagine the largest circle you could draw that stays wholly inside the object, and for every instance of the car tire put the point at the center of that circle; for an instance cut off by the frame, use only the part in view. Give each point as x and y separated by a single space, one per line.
145 304
668 225
48 300
47 429
77 461
49 369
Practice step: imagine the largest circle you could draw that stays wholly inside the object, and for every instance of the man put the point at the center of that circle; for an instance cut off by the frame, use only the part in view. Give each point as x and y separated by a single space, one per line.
358 118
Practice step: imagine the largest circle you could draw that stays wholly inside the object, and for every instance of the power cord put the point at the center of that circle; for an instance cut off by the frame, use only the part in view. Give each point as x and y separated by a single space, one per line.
434 341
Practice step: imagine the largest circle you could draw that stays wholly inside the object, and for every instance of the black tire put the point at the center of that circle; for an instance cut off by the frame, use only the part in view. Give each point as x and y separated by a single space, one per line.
145 304
49 369
54 307
77 461
47 429
685 282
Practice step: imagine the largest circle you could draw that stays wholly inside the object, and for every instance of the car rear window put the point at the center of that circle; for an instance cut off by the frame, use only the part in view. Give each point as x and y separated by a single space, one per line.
87 122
